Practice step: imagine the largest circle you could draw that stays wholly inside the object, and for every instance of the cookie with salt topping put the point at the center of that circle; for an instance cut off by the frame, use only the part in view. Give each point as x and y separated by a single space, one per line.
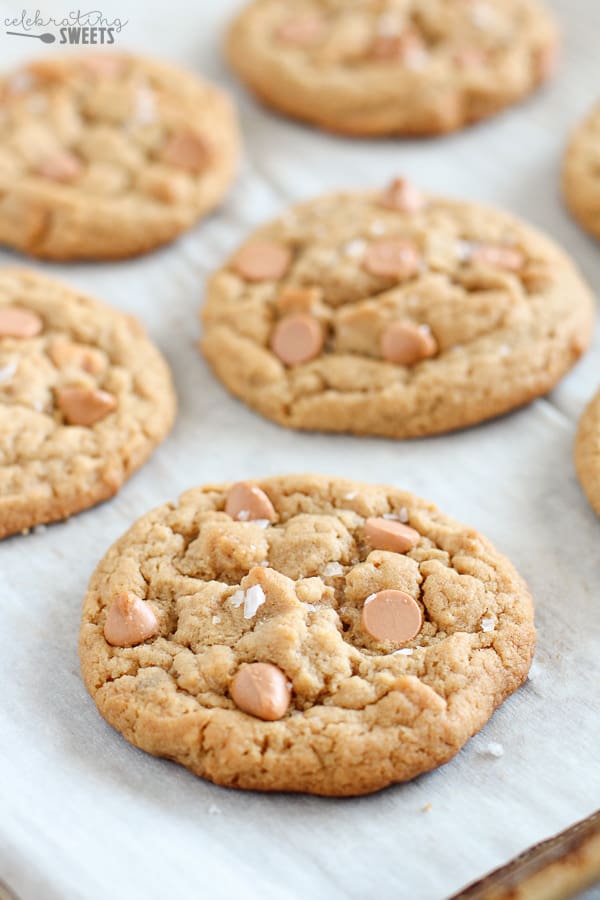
394 313
303 633
85 397
106 155
587 452
381 67
581 174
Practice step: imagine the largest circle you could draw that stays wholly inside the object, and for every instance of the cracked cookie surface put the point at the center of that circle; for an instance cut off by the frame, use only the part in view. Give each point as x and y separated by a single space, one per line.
104 156
338 711
581 173
84 399
378 67
587 452
394 313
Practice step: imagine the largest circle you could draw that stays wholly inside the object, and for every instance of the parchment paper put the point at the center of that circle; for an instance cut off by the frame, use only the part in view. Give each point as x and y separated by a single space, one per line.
85 815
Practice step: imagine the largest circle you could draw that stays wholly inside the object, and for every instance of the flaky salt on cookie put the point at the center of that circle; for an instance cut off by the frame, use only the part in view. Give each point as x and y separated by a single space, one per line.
394 313
85 397
108 155
303 633
380 68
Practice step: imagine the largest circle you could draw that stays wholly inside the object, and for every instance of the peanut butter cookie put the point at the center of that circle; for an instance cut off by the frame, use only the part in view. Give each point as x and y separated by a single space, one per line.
84 399
109 155
581 173
303 633
587 452
394 313
380 67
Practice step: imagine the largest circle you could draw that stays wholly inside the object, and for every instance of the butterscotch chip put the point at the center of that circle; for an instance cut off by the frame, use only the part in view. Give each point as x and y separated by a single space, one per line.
129 621
51 470
494 333
391 616
297 339
302 30
407 48
64 353
125 135
471 58
403 196
262 260
63 167
84 406
246 502
261 690
186 151
391 258
382 68
407 344
19 323
498 257
250 610
587 452
386 534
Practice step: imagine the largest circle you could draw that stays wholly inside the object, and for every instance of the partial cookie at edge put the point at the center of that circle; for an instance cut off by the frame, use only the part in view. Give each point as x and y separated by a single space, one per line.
85 397
587 452
109 155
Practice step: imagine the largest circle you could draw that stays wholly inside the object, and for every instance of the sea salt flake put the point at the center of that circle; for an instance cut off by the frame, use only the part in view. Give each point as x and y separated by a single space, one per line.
309 606
377 227
332 568
264 563
369 598
145 106
350 496
20 82
504 350
464 250
262 523
237 599
255 597
488 623
7 371
355 249
243 515
216 620
483 16
404 651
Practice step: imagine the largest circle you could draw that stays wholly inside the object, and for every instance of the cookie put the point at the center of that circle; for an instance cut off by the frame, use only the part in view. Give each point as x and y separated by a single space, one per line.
581 175
394 313
84 399
587 452
303 633
104 156
382 67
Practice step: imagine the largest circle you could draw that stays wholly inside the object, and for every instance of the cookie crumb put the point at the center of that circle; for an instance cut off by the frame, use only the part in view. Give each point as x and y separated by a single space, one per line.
214 810
427 808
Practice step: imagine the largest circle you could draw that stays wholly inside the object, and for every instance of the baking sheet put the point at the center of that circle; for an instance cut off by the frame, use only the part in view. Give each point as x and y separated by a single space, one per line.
85 815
